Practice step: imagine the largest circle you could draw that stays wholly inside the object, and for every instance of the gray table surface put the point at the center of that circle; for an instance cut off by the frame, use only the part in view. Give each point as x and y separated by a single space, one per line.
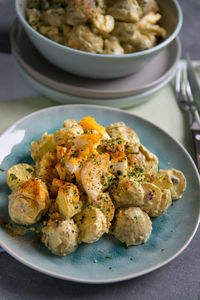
179 279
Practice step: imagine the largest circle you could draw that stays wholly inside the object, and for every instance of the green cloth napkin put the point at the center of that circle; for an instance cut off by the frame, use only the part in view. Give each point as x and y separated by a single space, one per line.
161 109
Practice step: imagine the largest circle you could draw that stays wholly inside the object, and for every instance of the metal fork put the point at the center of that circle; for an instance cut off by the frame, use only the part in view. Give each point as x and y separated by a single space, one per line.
186 101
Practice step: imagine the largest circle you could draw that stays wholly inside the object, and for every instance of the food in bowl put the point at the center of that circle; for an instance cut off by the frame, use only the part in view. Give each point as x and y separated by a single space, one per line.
88 180
107 27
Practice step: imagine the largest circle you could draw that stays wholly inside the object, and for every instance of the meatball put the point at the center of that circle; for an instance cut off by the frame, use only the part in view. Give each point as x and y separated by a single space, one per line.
60 236
132 226
127 192
29 202
92 224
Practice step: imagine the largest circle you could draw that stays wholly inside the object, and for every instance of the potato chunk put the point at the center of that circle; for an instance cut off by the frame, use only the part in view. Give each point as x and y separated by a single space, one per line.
156 202
144 160
68 200
33 16
104 24
41 146
127 192
126 11
60 236
112 46
132 226
19 174
82 38
66 135
29 202
92 224
148 6
54 17
106 206
120 130
178 182
46 170
78 11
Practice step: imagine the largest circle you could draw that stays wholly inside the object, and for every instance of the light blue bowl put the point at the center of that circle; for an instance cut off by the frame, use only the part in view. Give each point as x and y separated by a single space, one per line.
101 65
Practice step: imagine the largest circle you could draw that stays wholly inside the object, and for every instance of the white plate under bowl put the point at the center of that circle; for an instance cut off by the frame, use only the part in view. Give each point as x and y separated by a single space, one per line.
156 72
124 102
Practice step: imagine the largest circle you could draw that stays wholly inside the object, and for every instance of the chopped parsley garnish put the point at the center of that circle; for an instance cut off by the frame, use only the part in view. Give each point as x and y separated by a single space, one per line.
13 176
2 170
108 257
119 172
29 170
130 152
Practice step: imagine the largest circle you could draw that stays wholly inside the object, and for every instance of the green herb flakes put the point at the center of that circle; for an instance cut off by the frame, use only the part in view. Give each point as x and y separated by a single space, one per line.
13 176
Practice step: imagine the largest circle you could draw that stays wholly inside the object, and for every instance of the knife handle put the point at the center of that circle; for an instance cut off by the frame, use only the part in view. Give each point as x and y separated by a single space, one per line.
196 141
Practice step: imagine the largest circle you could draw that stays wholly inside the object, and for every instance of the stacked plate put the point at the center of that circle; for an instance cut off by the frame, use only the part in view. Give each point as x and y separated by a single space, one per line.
67 88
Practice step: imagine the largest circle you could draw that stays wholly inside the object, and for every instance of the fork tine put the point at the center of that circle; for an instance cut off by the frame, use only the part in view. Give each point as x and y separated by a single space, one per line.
184 84
178 79
189 91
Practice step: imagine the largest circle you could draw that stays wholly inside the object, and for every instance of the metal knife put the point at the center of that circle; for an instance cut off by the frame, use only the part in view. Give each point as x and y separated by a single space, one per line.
192 78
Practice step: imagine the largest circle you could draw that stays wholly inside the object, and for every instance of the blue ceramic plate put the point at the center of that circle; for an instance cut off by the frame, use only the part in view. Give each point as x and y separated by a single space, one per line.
106 260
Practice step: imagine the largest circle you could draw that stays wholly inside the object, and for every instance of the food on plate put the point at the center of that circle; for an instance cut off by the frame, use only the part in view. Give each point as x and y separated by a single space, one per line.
60 236
132 226
88 181
29 202
92 224
178 182
156 201
19 174
105 27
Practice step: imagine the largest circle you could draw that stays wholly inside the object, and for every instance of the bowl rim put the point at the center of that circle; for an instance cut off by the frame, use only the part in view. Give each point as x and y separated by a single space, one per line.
71 89
110 56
